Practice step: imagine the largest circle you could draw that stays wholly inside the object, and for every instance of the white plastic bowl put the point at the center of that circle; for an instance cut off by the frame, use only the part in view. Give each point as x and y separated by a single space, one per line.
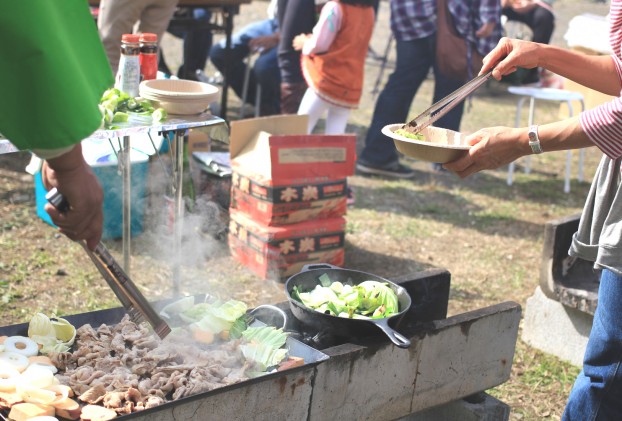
440 145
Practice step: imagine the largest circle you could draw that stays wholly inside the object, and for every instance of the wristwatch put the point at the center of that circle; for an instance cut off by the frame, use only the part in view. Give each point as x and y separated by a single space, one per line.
534 140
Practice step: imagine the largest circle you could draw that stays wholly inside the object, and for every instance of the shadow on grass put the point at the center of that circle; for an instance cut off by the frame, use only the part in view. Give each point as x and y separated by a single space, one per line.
445 198
383 265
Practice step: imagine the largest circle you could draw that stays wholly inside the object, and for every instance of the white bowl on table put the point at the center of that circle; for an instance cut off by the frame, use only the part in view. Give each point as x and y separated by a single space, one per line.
439 145
179 96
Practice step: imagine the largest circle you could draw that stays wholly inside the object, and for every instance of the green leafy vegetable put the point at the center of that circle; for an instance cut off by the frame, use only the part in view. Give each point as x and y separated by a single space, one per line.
415 136
118 108
263 346
369 299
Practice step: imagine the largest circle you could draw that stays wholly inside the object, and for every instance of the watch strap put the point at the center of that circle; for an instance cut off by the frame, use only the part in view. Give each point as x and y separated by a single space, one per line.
534 139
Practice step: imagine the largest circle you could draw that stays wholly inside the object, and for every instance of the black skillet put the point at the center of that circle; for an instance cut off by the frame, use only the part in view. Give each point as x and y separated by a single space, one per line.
308 278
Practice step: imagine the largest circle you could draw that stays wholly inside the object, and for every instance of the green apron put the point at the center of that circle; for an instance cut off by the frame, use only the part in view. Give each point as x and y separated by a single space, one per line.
53 71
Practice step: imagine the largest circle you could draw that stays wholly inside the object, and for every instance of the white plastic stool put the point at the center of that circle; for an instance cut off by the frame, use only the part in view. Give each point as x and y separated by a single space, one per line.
546 94
247 74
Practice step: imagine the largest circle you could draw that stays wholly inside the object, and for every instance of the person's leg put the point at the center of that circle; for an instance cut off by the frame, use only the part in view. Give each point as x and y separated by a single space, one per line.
116 17
597 392
313 106
156 16
236 67
197 44
542 24
414 59
295 17
267 75
443 86
336 120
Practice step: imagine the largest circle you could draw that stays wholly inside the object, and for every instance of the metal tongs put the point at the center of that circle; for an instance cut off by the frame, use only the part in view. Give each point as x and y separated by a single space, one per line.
126 291
440 108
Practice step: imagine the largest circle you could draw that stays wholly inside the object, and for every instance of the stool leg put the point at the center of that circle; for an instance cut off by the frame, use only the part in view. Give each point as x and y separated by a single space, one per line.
257 100
567 177
532 109
247 75
519 111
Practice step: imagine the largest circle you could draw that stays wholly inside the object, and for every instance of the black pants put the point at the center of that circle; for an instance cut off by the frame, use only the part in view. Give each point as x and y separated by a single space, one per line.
541 22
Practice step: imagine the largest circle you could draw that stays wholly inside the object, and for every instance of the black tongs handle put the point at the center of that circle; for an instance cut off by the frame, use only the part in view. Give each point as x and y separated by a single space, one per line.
442 107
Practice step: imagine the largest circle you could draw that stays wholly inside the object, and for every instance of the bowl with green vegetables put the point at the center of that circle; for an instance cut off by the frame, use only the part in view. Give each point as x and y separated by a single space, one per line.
432 144
347 303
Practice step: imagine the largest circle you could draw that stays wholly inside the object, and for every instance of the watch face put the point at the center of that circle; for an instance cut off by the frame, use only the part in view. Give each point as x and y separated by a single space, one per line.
532 136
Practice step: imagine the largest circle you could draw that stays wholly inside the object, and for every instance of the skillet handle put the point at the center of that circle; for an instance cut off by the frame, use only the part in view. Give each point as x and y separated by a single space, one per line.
306 268
397 338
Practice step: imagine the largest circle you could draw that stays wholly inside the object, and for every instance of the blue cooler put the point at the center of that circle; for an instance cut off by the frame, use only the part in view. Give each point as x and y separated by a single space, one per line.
106 169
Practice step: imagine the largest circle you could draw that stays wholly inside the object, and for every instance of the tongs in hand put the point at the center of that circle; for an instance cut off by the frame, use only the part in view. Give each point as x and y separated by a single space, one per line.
440 108
126 291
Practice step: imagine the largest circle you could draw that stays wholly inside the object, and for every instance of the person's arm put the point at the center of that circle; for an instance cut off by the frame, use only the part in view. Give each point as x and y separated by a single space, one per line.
325 30
53 74
495 147
601 73
73 177
264 43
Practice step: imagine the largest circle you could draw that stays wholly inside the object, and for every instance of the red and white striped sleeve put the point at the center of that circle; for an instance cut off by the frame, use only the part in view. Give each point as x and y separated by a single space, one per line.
603 124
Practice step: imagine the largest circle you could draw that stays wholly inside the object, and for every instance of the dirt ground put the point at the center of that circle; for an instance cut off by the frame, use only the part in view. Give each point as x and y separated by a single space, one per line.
486 233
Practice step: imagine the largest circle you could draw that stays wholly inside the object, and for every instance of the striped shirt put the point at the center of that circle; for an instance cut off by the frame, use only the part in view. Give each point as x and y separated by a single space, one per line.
603 124
416 19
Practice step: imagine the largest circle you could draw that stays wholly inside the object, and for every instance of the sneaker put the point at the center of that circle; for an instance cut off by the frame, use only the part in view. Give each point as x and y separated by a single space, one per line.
395 170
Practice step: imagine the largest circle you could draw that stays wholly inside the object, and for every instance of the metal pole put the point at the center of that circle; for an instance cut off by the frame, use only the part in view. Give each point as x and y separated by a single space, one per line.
126 171
178 173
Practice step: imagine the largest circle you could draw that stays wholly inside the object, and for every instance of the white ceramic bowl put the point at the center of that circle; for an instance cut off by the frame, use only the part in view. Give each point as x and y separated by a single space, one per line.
440 145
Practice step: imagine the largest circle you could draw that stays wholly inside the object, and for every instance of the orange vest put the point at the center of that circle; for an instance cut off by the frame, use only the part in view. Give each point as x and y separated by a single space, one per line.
336 76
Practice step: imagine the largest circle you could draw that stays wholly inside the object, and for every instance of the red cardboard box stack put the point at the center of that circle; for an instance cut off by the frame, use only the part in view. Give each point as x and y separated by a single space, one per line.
288 195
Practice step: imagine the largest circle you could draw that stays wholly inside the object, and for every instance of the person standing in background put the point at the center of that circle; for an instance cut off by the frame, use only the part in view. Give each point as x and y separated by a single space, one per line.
333 62
295 17
196 44
413 23
53 74
118 17
261 37
539 17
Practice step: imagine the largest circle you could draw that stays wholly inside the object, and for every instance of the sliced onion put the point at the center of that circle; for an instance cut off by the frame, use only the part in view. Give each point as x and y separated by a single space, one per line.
21 345
18 361
62 392
37 377
49 367
35 394
8 378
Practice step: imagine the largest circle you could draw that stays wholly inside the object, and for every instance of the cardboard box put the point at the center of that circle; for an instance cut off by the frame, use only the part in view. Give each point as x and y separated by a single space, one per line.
276 150
281 205
591 99
279 252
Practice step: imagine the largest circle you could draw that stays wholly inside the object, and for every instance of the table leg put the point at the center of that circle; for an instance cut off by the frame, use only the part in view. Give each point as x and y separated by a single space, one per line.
126 171
228 13
178 173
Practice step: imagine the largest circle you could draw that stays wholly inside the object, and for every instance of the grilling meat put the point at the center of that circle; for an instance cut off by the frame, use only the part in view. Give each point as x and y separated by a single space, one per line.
126 368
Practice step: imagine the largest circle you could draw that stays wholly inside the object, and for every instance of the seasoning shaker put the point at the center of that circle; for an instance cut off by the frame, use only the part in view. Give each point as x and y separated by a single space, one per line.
148 57
128 75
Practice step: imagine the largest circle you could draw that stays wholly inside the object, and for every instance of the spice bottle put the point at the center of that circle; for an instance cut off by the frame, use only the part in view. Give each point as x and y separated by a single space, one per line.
128 75
148 56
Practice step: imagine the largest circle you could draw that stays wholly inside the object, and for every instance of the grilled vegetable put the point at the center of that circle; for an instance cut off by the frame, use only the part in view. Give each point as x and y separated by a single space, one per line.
367 300
415 136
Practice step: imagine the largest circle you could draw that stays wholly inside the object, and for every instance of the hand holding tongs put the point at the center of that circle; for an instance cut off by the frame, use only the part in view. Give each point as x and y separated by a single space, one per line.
440 108
126 291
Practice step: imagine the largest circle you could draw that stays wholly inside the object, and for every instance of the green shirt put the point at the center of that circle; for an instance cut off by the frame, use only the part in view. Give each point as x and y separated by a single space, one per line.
53 71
